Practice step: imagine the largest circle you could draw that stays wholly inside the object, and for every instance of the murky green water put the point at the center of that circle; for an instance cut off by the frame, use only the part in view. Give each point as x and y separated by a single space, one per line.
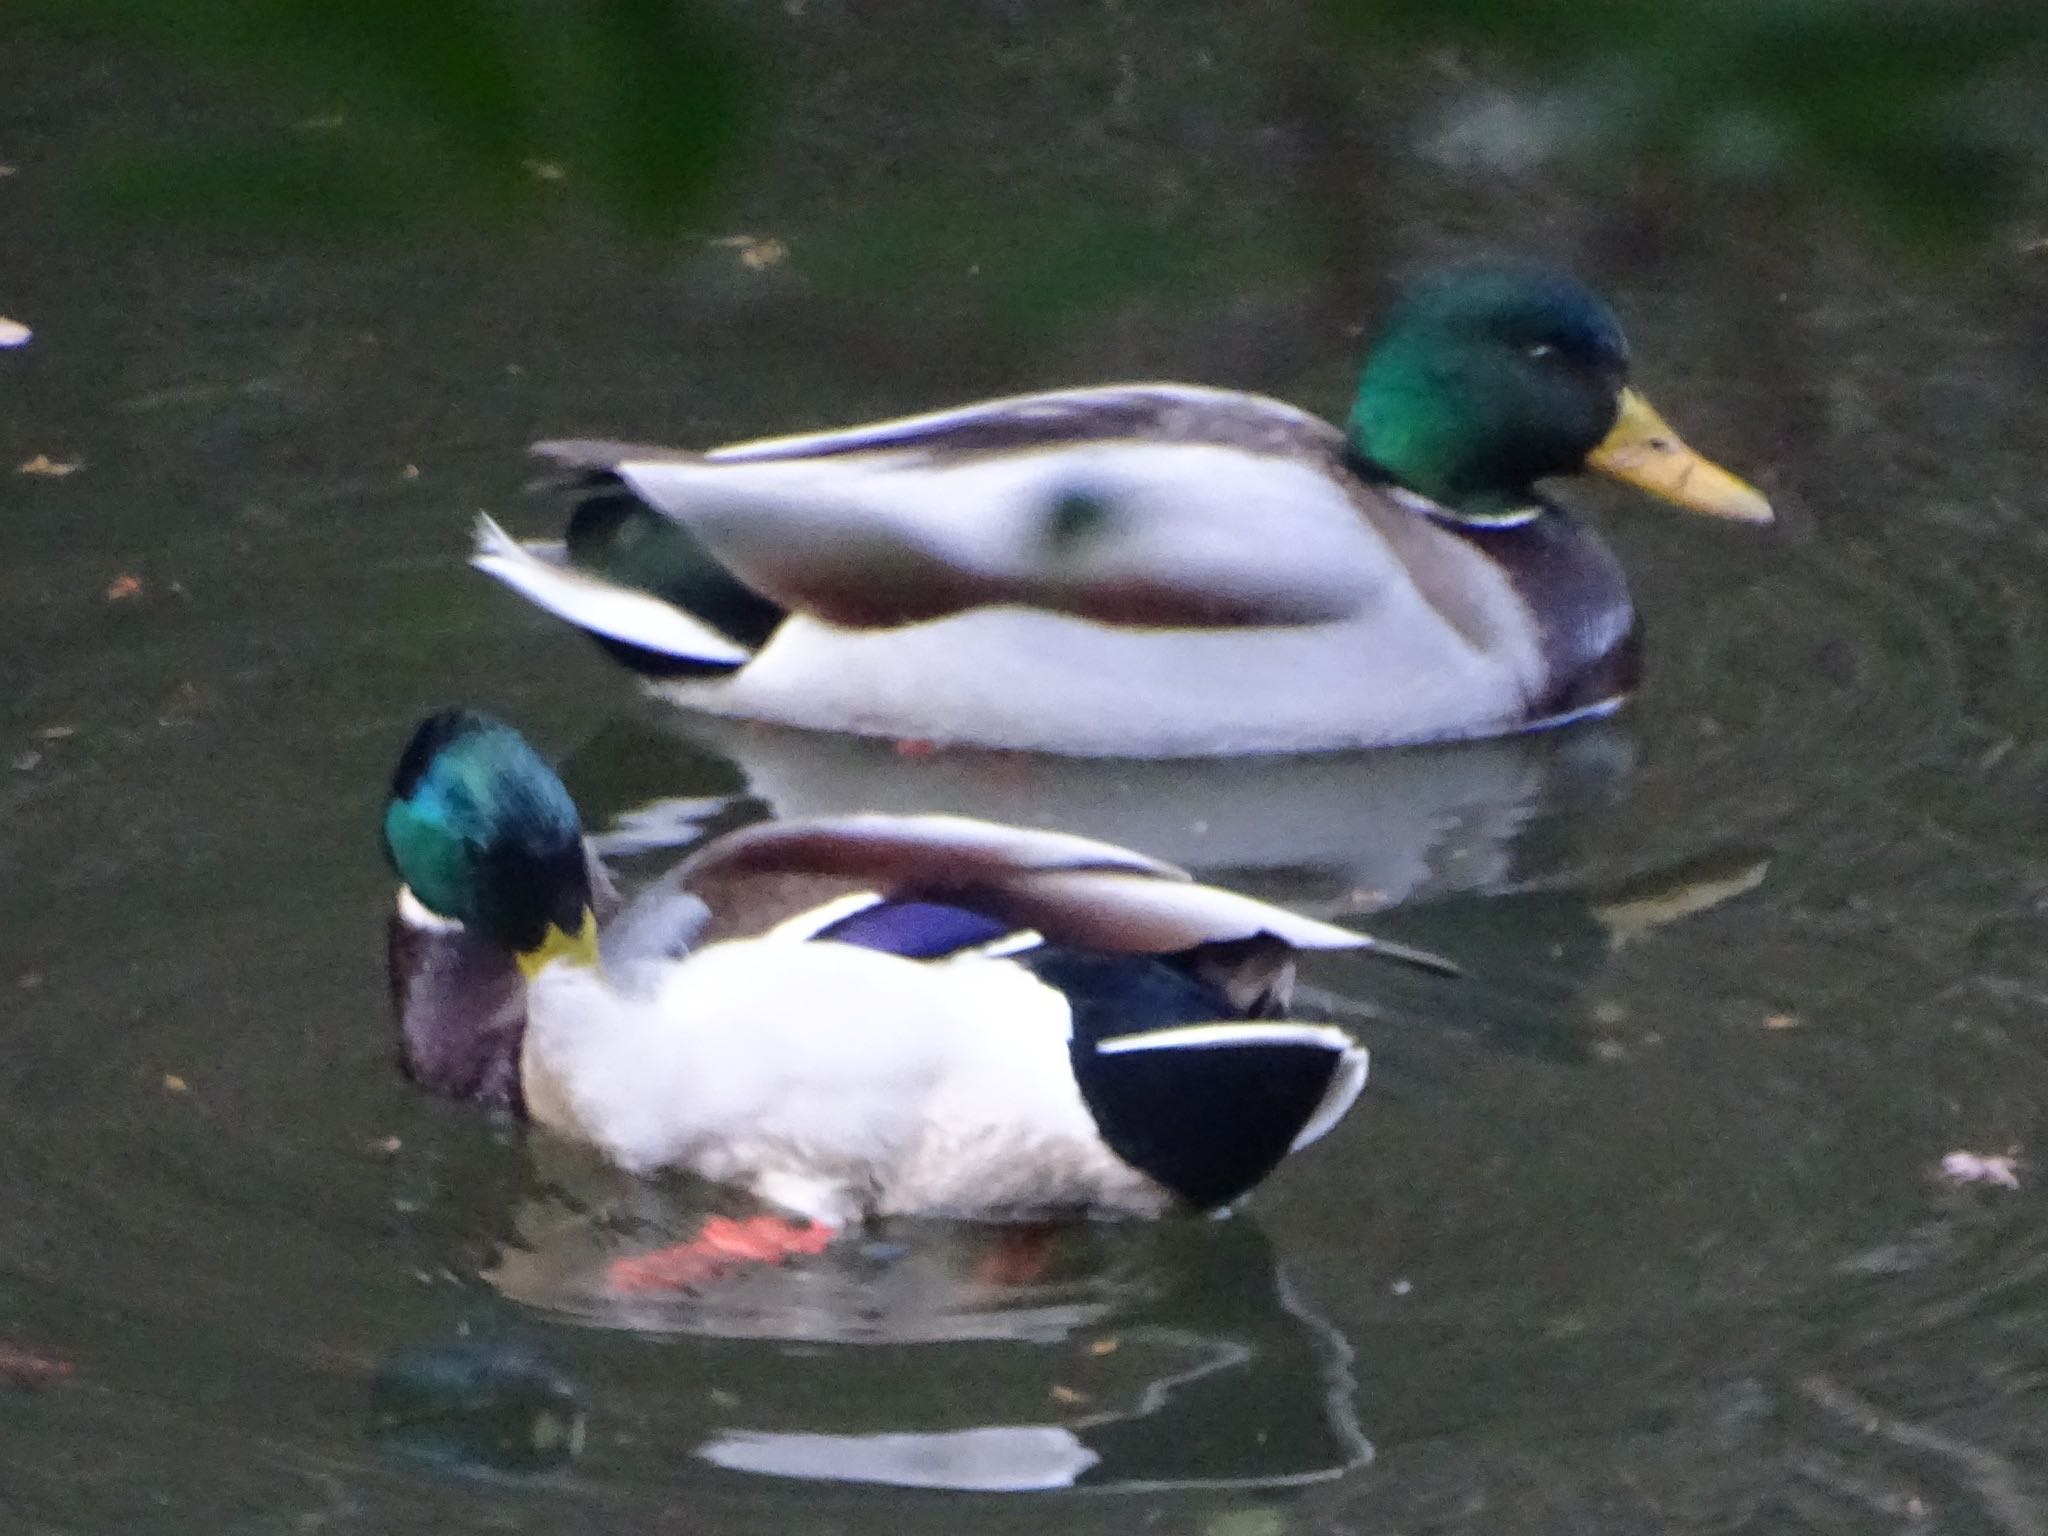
1637 1229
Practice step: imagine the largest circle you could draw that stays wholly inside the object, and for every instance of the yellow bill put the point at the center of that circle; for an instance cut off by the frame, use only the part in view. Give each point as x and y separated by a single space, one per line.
578 948
1643 451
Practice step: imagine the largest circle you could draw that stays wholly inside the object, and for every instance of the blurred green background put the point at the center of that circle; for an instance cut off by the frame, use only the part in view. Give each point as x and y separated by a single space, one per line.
370 117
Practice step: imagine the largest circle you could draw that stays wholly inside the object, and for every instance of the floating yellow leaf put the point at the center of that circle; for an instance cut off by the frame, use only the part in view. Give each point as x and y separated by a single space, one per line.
1699 885
54 469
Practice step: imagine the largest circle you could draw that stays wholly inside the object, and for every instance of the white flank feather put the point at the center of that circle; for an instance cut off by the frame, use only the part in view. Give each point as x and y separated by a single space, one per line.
834 1080
1030 678
601 607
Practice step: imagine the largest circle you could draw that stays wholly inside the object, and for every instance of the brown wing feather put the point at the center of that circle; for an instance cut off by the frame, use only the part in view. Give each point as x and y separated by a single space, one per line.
1072 890
762 875
931 852
1160 413
872 577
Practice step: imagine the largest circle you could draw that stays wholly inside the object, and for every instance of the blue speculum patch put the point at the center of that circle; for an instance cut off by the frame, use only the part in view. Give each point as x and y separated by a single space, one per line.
916 930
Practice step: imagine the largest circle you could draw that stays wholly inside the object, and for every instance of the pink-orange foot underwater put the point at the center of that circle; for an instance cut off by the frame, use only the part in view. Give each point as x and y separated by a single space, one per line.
721 1247
1020 1255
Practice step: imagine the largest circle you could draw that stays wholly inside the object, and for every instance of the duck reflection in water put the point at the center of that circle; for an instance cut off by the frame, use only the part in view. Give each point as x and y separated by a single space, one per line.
1476 848
1349 833
486 1404
1012 1358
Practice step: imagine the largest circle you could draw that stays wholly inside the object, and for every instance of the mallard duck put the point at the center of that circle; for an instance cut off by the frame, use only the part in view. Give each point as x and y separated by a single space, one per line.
861 1016
1154 570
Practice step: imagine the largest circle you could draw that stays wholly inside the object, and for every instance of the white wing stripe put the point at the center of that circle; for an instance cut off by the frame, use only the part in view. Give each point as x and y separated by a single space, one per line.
808 924
1194 1037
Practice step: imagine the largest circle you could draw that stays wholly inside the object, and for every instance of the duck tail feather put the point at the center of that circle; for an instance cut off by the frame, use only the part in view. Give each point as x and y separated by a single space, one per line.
619 616
1351 1061
1209 1109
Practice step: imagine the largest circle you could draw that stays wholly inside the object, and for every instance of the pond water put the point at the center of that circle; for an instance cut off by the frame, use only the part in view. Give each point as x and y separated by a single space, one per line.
1639 1226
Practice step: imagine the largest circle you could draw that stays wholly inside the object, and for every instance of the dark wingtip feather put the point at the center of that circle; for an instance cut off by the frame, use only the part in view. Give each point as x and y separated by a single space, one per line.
1420 959
581 452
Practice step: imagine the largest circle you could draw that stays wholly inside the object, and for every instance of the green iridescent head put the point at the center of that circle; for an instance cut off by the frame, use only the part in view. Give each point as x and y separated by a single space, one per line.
483 832
1487 377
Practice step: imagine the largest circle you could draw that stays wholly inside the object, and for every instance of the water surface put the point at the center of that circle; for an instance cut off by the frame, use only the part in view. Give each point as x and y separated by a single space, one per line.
1637 1229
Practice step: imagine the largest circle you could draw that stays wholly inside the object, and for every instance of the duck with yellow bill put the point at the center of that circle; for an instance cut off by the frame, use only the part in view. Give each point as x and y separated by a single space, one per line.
1155 570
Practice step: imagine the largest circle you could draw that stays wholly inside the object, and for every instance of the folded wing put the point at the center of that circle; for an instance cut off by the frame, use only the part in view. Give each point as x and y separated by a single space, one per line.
1142 505
1072 890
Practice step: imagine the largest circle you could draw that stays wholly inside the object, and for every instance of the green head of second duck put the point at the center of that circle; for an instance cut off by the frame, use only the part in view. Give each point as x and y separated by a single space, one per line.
1487 377
483 833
